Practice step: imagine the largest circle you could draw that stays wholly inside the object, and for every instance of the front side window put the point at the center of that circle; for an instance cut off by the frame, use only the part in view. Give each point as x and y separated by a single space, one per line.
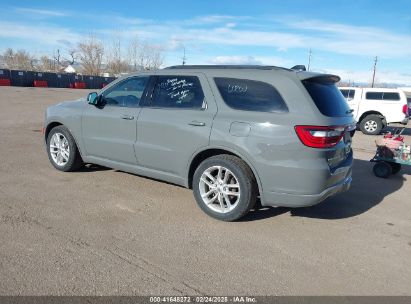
345 93
374 95
250 95
178 92
127 93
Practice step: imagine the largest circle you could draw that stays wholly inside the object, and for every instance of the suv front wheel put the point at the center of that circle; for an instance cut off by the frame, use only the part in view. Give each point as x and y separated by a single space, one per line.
225 187
62 150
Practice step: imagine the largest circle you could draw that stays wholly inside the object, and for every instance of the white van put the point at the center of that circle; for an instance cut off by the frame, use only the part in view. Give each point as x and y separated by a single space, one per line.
375 108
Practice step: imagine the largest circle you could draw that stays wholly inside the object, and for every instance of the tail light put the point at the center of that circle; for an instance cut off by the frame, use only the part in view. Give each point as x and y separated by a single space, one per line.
320 136
405 109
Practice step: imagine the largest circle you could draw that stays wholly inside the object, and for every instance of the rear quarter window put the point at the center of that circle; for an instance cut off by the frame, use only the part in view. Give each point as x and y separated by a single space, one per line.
250 95
328 98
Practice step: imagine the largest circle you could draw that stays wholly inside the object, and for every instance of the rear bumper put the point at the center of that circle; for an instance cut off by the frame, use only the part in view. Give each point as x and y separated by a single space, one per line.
276 199
405 120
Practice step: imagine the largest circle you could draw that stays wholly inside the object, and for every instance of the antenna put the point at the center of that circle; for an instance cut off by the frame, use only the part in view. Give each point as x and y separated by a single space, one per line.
373 74
184 55
309 59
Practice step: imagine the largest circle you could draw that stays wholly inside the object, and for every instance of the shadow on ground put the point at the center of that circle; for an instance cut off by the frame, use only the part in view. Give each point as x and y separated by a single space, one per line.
93 168
366 192
392 129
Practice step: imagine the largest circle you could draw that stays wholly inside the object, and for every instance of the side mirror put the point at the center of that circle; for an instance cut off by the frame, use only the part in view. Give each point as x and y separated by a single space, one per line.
92 98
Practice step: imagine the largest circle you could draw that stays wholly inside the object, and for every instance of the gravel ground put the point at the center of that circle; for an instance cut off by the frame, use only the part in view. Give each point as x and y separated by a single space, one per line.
104 232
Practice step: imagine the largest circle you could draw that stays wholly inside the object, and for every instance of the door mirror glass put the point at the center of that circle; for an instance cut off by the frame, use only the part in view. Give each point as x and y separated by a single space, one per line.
92 98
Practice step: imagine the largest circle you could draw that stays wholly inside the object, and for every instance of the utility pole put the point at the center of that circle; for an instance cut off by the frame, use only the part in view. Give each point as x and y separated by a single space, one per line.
373 74
184 55
309 59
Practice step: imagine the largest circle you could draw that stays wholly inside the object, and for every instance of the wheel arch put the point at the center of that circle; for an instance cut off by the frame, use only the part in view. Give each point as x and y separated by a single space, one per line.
206 153
53 124
49 127
365 114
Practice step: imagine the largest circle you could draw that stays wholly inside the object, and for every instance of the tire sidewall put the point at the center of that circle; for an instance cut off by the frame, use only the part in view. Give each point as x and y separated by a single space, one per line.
395 168
375 118
243 178
72 146
382 169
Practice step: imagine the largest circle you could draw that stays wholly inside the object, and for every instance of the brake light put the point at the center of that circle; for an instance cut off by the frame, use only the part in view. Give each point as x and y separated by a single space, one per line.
320 136
405 109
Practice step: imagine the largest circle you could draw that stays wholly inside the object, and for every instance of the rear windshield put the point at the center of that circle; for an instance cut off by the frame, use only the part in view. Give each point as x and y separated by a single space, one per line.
327 98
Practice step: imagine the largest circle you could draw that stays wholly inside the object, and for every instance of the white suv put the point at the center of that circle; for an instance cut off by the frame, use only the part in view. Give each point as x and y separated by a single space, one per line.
375 108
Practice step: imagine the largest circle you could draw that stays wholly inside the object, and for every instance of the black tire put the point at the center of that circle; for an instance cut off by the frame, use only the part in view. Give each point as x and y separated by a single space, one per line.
382 169
74 161
246 180
395 168
371 120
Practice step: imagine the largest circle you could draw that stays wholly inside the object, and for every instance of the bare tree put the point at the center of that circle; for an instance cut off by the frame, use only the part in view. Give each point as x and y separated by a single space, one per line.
91 54
145 56
46 64
73 55
115 64
56 57
8 57
20 60
156 57
133 53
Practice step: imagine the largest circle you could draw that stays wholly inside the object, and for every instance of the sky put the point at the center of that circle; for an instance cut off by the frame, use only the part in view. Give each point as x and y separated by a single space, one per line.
344 36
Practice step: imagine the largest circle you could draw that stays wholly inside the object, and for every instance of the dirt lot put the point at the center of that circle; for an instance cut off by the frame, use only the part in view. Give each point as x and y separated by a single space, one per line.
104 232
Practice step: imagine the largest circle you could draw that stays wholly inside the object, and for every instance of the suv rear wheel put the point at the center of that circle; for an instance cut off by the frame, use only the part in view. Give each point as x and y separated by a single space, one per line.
371 125
225 187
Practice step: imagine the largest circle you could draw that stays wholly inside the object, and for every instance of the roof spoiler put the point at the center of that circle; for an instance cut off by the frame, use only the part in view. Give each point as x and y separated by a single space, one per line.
324 78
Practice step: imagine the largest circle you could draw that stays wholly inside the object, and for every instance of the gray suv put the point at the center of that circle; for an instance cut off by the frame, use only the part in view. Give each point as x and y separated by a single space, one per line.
234 134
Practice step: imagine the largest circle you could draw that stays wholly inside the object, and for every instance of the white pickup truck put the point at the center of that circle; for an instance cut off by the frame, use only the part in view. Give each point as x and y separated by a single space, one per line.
375 108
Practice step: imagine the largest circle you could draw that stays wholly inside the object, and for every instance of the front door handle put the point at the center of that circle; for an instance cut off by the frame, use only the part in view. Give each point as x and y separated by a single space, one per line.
127 117
197 123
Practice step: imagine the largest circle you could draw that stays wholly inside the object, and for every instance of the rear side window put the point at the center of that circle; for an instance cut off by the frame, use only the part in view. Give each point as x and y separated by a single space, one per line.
328 98
250 95
178 92
382 96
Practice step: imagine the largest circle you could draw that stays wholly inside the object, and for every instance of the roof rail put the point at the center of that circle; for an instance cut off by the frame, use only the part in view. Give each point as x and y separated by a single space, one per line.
255 67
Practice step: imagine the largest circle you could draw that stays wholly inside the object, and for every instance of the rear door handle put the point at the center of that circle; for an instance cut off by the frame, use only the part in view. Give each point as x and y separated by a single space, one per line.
197 123
127 117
